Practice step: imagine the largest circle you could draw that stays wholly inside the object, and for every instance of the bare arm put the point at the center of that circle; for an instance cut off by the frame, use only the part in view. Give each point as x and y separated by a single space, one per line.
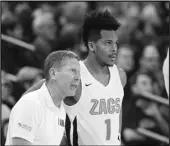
123 77
20 141
36 86
120 123
123 81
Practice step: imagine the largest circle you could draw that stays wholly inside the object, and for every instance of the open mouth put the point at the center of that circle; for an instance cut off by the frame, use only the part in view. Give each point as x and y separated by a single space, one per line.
112 57
74 86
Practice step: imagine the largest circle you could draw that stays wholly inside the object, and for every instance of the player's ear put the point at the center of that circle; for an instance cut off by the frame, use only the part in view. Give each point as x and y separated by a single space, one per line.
91 46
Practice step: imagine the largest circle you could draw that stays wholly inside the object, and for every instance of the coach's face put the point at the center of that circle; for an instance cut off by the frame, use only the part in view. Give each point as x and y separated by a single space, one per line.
69 76
106 47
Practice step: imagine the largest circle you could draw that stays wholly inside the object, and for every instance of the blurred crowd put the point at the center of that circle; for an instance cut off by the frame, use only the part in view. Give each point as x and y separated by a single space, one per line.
50 26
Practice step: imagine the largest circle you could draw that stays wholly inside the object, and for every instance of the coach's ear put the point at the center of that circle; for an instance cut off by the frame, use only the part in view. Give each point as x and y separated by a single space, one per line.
35 86
52 73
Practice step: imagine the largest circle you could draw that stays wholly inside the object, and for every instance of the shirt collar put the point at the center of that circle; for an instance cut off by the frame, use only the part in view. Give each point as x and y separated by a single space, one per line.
47 97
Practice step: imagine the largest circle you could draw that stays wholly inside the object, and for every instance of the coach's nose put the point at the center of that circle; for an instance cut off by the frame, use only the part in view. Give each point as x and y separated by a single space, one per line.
77 76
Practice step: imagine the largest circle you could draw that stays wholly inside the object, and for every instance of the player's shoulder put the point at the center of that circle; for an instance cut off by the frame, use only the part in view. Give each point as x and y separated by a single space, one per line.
123 76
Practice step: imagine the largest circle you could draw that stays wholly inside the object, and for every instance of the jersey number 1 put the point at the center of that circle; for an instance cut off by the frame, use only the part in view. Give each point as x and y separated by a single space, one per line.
108 128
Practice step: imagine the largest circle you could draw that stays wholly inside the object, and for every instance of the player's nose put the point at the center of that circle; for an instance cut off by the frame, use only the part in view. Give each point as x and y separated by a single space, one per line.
114 49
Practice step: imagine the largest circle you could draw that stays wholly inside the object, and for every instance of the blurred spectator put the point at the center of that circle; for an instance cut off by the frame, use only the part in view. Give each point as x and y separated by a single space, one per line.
110 6
70 39
7 88
142 81
132 9
43 8
13 56
5 7
24 14
11 26
149 14
45 28
5 11
125 59
73 12
27 76
140 112
128 26
5 112
150 61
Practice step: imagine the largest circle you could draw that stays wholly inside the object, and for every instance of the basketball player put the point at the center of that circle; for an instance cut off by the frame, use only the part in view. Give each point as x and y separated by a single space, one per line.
97 103
38 118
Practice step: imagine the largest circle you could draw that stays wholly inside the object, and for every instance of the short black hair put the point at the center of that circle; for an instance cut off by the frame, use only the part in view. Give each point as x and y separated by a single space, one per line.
55 59
95 22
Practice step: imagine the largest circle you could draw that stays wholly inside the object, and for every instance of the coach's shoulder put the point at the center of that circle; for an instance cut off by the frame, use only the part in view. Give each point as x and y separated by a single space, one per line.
30 95
28 103
33 98
123 76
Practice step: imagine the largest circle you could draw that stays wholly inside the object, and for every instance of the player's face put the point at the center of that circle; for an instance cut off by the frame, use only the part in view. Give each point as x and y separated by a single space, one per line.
69 76
106 47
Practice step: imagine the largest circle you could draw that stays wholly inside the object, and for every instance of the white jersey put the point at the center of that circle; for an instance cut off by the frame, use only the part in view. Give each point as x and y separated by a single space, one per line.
98 109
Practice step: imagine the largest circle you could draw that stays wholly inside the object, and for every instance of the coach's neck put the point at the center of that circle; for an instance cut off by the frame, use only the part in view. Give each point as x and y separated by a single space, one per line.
56 94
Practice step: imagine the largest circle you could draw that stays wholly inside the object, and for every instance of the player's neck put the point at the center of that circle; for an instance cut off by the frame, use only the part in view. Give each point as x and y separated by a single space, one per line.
55 93
94 65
